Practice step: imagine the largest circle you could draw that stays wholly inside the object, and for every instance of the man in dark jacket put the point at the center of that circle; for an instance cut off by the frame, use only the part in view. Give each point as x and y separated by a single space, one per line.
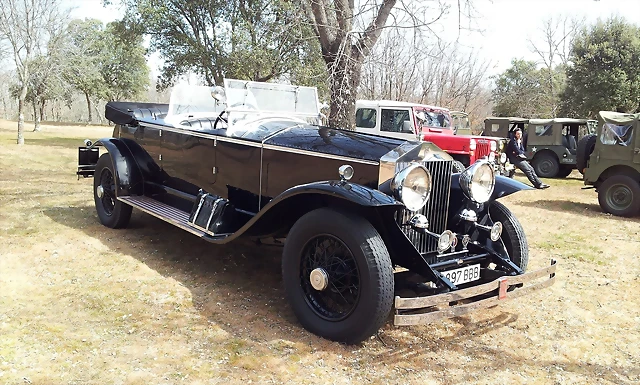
516 155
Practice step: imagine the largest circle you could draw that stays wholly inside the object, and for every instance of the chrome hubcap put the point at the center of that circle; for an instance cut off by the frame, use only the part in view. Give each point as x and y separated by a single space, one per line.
319 279
100 191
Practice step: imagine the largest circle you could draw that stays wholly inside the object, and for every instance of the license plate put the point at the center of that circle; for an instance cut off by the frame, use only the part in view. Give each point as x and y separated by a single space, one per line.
463 274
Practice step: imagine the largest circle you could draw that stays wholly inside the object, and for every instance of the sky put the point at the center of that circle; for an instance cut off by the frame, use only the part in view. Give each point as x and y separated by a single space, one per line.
507 24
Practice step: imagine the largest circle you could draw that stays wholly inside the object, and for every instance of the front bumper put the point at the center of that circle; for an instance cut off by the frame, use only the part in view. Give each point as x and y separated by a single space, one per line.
423 310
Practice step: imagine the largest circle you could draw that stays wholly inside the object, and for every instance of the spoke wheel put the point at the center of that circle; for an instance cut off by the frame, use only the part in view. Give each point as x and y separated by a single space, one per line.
106 191
111 212
329 277
337 275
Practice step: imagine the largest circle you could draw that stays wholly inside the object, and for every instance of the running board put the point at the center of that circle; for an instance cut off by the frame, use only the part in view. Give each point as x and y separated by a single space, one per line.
167 213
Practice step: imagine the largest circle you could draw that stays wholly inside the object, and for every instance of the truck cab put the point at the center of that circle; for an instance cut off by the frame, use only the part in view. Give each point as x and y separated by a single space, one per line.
413 121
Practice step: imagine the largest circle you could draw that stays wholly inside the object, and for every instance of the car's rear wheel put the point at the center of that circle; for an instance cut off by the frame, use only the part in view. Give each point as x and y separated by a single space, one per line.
111 212
546 165
586 145
513 236
337 275
620 195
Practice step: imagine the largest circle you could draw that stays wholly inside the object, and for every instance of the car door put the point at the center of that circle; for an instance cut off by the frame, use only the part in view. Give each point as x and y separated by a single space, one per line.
636 147
189 160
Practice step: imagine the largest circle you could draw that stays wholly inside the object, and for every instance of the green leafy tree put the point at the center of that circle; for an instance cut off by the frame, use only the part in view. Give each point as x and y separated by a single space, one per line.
105 63
258 40
604 73
523 90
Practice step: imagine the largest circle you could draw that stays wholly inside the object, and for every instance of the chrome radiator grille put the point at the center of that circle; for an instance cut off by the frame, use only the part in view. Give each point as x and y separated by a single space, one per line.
436 208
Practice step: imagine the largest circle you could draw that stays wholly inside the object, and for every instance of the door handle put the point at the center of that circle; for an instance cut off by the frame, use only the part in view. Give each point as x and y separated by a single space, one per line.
636 150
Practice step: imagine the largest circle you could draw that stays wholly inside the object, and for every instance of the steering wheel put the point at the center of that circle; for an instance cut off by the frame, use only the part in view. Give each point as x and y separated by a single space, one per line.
219 118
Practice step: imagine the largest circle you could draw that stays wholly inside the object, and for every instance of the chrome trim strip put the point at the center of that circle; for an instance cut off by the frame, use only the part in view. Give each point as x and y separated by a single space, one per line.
320 154
201 134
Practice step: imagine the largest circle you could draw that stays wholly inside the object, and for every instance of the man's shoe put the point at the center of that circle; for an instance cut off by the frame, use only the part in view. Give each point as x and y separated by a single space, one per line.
543 186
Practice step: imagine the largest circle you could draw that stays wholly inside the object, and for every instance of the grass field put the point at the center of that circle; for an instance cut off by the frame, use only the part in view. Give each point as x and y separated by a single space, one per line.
152 304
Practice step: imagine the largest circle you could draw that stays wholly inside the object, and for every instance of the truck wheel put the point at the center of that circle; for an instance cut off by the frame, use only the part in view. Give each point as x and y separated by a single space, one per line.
337 275
111 212
513 236
546 165
458 166
564 171
620 195
586 144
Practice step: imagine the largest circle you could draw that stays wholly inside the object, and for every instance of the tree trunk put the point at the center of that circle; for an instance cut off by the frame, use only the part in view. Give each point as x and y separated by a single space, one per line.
89 106
36 118
344 80
21 98
42 110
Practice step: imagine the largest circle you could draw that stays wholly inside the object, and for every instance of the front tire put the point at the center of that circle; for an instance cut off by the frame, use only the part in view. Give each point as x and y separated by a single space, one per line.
111 212
513 236
337 275
620 195
546 165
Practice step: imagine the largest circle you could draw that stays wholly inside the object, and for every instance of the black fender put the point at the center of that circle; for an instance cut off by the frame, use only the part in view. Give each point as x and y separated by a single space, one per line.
128 177
281 212
504 186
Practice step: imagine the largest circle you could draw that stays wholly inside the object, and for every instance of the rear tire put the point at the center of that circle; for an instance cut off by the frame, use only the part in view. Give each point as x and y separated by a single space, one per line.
546 165
586 145
620 195
513 236
111 212
337 275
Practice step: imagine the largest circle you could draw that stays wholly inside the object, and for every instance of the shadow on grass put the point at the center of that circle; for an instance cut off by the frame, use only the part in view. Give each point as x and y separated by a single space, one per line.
238 287
587 209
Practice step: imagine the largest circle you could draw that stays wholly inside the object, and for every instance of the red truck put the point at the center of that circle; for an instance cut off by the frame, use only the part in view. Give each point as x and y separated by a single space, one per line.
432 124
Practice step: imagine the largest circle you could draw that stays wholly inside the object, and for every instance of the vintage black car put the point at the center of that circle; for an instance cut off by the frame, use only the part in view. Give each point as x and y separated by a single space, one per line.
363 219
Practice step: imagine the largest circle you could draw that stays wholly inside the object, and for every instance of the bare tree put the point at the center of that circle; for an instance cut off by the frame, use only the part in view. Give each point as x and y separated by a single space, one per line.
25 26
557 35
348 32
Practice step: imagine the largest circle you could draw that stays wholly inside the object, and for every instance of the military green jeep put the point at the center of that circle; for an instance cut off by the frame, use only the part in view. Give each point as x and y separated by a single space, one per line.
610 162
551 144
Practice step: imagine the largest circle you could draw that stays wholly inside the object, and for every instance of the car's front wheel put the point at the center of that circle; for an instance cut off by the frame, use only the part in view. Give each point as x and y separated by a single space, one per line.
513 236
546 165
620 195
337 275
111 212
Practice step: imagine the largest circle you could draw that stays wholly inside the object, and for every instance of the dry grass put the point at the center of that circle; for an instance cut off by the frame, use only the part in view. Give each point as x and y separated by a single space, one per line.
83 304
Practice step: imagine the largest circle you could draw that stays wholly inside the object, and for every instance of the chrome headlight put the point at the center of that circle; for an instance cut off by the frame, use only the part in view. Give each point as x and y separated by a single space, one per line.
412 186
493 146
478 181
503 158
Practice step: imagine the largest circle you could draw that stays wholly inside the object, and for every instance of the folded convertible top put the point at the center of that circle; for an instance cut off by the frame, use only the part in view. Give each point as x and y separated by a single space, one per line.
128 112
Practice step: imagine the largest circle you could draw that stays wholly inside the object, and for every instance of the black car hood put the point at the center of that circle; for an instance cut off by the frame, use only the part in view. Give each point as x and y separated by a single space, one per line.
334 142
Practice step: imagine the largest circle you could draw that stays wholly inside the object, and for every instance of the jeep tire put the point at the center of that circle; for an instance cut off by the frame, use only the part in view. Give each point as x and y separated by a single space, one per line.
111 212
586 144
546 165
620 195
337 275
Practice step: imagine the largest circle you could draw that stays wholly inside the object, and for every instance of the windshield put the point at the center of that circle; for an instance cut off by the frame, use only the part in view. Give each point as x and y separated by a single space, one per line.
246 109
433 118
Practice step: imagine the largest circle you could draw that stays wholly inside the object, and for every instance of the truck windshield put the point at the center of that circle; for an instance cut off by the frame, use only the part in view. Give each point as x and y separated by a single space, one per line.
436 119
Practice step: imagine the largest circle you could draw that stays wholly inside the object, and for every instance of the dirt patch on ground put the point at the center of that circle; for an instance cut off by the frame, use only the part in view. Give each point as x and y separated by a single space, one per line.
83 304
